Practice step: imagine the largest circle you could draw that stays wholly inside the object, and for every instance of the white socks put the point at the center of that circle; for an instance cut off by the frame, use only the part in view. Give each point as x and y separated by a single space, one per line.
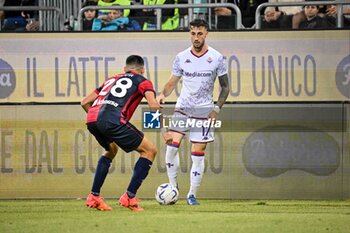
172 161
197 171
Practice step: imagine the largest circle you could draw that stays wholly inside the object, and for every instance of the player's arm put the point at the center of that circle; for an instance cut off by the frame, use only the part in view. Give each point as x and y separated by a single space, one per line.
223 80
88 101
168 88
151 100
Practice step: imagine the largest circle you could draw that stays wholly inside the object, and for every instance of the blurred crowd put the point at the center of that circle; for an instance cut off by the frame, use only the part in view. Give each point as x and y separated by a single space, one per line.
221 18
19 20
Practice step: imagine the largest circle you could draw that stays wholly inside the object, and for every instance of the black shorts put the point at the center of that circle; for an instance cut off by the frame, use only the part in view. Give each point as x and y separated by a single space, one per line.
126 136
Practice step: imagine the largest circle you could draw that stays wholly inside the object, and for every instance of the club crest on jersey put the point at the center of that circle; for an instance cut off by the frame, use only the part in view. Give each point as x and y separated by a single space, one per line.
151 120
209 60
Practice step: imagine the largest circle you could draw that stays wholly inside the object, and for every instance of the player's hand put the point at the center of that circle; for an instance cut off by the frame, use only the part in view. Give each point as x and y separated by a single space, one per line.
213 115
155 107
167 137
152 102
160 98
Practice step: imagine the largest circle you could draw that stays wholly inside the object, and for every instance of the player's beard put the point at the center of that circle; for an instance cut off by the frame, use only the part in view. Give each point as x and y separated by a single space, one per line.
198 45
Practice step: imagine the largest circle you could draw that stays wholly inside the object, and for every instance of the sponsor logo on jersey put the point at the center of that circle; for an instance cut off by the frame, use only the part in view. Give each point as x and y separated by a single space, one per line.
198 74
110 102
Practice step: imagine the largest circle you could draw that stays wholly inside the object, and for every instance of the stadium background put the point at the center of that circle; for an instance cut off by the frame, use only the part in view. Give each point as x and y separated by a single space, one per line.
286 124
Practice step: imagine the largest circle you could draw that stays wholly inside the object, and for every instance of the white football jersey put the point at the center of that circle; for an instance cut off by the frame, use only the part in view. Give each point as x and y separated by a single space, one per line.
198 74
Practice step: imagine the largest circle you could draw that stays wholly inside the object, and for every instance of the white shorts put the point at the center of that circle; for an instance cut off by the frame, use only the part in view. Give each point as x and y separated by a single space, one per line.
201 129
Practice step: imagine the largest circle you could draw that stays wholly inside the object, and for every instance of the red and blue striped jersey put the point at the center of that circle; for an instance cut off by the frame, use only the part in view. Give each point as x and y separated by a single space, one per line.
118 98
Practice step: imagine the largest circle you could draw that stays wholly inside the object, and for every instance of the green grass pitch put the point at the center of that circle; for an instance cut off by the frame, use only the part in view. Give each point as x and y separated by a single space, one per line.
217 216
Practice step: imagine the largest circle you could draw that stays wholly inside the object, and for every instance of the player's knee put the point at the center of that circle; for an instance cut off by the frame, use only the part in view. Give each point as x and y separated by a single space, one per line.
151 152
113 149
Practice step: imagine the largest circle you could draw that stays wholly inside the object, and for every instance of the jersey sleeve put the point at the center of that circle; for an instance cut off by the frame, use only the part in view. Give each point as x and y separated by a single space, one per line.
221 66
146 86
176 70
98 90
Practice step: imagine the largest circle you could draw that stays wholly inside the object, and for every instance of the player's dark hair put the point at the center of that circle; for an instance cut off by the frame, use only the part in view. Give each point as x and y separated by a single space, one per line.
135 60
199 23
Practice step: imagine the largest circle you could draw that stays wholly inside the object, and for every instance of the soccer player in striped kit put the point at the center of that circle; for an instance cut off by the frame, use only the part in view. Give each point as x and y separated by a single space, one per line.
109 109
198 66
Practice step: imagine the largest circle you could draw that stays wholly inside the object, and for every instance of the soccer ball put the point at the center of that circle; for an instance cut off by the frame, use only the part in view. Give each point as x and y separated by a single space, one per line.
167 194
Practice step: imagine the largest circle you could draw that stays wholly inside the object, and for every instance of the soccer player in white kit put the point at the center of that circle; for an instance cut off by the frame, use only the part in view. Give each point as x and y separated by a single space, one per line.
198 66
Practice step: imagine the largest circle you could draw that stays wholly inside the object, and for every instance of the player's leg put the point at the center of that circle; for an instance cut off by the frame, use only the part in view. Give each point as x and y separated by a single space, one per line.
94 200
197 171
199 138
129 138
147 154
172 158
102 168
